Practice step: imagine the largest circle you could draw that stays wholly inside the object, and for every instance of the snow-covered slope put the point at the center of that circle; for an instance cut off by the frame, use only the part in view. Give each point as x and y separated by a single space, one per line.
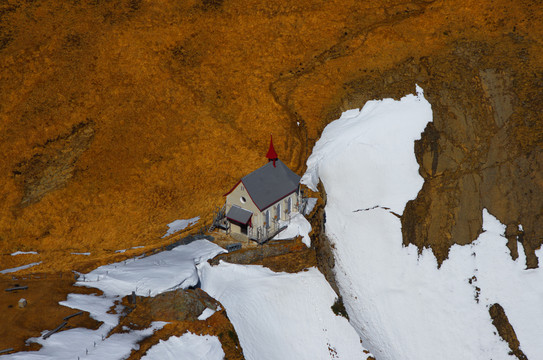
296 226
401 304
280 315
517 289
152 275
187 347
149 276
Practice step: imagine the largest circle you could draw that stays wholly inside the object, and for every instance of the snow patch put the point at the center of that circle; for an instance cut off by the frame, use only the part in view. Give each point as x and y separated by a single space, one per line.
7 271
206 314
179 225
188 347
24 253
296 226
311 202
87 344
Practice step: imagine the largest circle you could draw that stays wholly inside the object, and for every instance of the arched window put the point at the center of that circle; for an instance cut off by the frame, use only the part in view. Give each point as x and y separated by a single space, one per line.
289 205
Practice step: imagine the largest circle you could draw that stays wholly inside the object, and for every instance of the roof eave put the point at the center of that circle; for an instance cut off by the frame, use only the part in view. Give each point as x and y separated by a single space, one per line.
234 188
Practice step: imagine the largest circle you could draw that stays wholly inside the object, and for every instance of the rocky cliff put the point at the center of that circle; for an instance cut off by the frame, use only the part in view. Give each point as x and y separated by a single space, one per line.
118 117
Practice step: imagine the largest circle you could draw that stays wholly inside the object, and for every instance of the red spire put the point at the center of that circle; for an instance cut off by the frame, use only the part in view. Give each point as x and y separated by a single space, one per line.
272 155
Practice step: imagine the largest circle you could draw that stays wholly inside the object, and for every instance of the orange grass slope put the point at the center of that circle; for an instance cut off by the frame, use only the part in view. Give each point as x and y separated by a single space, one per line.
118 117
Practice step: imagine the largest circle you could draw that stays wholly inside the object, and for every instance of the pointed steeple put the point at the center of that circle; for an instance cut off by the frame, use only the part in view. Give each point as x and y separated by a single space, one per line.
272 155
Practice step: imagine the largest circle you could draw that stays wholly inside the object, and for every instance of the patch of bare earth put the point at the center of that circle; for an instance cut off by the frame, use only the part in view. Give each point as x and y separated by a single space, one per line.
42 311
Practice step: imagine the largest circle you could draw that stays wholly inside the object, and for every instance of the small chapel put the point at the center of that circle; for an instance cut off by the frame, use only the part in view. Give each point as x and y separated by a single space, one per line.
260 205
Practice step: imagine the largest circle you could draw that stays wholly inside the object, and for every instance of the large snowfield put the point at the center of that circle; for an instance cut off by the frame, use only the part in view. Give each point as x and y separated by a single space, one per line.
401 304
280 315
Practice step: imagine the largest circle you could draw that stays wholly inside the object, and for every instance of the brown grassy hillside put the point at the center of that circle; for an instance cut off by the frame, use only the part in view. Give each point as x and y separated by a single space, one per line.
120 116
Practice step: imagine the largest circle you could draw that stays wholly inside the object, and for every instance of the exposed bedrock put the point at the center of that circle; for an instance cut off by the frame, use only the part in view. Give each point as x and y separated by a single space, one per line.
54 164
505 330
180 309
483 149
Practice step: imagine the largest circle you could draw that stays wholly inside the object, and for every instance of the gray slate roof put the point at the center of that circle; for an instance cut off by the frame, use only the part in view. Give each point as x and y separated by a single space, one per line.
239 215
269 184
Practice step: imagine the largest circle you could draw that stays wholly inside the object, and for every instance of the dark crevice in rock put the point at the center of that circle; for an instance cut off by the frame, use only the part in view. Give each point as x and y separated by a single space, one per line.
514 236
321 243
339 308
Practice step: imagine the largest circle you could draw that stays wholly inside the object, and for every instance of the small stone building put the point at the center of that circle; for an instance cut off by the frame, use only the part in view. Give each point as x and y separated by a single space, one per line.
261 203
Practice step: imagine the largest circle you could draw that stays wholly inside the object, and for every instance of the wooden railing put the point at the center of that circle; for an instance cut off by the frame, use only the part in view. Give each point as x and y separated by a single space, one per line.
261 234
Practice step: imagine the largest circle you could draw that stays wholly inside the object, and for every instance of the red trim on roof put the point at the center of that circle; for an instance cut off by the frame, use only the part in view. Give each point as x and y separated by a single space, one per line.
235 186
251 196
276 201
